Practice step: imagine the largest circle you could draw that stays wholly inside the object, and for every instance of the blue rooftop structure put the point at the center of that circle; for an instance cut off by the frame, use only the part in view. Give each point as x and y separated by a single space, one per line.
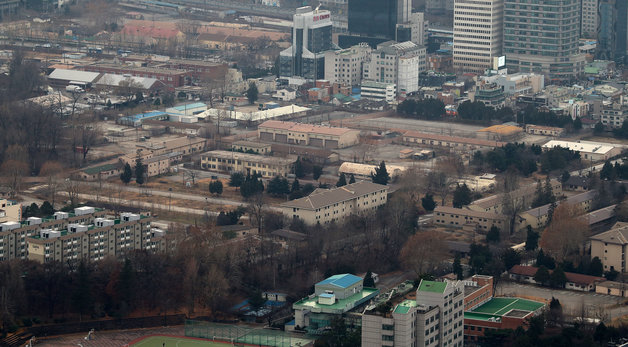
341 281
189 106
136 120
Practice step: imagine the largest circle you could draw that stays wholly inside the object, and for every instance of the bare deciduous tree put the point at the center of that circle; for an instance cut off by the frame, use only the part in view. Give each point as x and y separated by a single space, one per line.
52 171
423 252
566 234
13 172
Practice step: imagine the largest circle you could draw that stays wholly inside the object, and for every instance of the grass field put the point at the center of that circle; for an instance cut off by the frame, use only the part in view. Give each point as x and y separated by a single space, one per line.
175 341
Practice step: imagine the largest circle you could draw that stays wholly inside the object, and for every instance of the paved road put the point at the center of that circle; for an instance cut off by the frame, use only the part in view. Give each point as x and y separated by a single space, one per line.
572 301
176 195
143 204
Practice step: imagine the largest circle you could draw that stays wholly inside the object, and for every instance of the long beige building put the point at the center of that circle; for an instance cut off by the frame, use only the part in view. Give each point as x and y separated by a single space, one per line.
460 217
611 247
460 144
230 162
335 204
478 31
308 134
522 197
539 216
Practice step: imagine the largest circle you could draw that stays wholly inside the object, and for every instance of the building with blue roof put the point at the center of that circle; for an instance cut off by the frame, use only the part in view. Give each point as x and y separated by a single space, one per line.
187 109
136 120
333 297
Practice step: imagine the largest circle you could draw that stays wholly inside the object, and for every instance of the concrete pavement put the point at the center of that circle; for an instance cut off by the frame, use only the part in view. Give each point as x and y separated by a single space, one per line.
600 306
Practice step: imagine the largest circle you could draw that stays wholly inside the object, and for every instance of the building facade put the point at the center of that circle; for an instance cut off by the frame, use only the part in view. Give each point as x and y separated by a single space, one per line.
377 18
307 134
589 19
336 204
460 217
612 31
92 242
543 38
10 211
345 66
230 162
478 30
611 248
434 318
379 91
397 63
311 38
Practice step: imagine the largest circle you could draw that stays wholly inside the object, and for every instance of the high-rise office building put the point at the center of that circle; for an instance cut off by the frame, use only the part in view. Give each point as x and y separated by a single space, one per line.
613 30
339 10
374 21
415 29
589 19
311 38
478 30
542 37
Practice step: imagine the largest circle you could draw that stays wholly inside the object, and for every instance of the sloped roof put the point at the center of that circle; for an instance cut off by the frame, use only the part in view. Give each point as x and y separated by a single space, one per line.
113 80
341 281
571 276
335 195
305 128
74 75
616 236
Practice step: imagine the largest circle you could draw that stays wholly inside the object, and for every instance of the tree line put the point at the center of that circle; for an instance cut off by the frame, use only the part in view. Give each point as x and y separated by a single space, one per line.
526 159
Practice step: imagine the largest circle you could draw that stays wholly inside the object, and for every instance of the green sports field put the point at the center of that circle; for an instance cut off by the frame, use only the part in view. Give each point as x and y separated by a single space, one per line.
501 306
172 341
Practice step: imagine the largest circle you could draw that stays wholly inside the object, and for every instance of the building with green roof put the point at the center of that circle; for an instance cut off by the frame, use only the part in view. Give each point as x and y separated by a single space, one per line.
498 313
333 297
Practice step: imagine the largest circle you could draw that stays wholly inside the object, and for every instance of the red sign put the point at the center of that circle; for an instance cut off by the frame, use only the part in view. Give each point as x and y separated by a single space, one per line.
321 17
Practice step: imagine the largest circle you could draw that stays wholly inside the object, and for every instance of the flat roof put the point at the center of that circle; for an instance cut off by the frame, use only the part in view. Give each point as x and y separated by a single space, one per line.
405 306
499 307
341 280
432 286
594 148
342 305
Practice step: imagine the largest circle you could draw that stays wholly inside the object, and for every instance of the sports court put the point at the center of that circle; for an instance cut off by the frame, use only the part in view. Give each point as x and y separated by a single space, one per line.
175 341
501 306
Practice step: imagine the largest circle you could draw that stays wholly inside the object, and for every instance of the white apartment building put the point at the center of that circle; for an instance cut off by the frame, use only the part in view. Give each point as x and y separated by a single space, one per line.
613 117
379 91
478 32
345 66
396 63
434 319
588 23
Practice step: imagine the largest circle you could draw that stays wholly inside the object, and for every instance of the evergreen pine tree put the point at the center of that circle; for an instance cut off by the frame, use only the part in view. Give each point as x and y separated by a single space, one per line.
127 174
381 175
342 181
351 179
139 171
